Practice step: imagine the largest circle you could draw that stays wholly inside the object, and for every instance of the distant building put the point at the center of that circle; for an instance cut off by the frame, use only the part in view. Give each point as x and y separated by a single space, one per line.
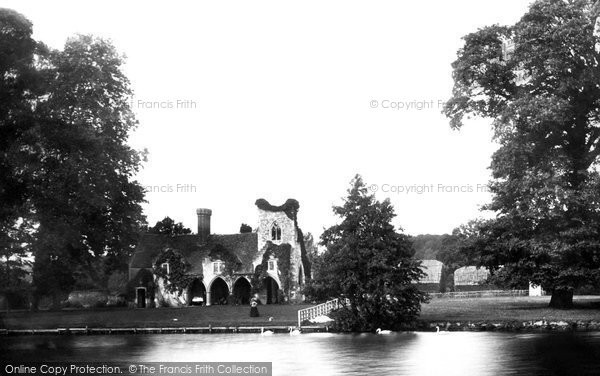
470 276
433 275
536 290
224 269
433 271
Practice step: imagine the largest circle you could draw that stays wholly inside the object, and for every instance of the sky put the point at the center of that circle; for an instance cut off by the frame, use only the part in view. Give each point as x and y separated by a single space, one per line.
241 100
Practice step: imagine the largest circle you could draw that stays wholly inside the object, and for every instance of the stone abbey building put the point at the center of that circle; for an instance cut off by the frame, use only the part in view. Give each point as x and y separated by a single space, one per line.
207 269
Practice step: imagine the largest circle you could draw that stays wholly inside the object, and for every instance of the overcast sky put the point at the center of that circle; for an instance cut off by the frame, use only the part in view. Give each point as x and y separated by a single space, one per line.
241 100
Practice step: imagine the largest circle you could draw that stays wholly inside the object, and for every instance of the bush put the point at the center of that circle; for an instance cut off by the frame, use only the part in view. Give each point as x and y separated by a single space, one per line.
117 282
117 301
344 320
16 299
87 299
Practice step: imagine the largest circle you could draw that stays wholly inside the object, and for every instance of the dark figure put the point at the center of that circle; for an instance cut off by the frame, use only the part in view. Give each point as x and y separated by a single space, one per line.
254 307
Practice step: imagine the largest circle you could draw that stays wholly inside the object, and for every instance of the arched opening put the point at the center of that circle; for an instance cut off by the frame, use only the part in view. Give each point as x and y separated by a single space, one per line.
197 293
300 276
272 290
275 232
241 291
219 292
141 297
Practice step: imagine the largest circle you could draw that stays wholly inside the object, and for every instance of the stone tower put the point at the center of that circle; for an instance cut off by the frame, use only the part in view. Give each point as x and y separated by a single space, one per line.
279 225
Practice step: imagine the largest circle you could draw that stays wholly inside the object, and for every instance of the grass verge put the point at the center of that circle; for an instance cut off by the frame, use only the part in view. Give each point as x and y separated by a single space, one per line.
495 309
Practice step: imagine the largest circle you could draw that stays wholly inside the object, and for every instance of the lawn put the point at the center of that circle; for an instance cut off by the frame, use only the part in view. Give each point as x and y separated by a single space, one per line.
152 317
494 309
522 308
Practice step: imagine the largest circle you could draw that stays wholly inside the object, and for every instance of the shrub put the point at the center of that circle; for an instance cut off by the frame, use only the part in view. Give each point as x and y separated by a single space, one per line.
345 320
117 282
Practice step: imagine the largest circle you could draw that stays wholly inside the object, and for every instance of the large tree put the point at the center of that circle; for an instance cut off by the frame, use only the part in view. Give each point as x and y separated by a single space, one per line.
169 227
65 164
20 84
368 262
539 80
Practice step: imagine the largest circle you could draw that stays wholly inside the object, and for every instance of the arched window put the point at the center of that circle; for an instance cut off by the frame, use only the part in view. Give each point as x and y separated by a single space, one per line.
275 232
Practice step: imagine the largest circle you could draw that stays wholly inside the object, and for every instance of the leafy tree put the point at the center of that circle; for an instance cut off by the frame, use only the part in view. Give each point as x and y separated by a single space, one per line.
369 263
87 206
539 81
168 227
65 166
19 86
312 251
244 228
314 290
15 263
427 246
457 249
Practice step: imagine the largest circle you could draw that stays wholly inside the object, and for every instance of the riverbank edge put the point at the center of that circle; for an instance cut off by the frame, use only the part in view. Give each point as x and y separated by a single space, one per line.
419 326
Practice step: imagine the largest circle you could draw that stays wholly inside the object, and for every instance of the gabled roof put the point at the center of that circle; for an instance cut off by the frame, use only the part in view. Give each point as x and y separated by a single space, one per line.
244 246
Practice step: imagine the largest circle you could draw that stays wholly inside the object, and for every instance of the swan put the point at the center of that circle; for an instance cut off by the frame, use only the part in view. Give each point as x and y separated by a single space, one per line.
437 330
265 333
294 332
379 331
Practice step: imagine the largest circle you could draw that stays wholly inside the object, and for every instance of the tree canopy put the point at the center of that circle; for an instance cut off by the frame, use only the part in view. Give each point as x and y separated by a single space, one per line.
244 228
369 263
65 165
539 80
167 226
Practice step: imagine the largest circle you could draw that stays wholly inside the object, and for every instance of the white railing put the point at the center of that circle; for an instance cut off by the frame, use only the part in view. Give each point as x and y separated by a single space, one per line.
319 310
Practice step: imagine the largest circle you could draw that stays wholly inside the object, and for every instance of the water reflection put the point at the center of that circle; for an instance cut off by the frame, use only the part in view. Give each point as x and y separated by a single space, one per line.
457 353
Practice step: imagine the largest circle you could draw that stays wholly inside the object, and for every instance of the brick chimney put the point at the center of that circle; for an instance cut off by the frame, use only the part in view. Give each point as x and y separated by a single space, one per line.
203 223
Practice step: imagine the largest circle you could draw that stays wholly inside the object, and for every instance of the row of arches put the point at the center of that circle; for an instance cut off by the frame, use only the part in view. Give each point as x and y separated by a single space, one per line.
241 292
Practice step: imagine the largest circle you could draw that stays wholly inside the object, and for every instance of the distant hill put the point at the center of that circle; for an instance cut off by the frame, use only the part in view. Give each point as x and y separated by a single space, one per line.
427 246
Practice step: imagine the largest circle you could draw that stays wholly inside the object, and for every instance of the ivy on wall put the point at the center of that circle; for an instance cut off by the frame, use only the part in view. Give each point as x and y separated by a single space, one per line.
303 254
143 278
282 254
232 262
176 280
290 207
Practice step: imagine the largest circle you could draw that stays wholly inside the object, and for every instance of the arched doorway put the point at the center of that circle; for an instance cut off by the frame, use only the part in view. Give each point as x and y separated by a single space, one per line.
219 292
140 293
241 291
197 293
272 290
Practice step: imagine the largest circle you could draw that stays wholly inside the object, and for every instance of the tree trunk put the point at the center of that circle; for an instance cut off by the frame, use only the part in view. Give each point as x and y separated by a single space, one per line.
561 299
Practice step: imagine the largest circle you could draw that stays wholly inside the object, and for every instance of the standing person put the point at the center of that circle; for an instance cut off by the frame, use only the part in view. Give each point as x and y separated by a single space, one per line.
254 306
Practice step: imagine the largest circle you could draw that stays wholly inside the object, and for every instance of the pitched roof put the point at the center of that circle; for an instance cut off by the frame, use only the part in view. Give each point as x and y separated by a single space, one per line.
244 246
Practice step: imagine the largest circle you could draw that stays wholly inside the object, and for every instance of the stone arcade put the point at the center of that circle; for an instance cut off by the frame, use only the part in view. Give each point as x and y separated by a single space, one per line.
224 269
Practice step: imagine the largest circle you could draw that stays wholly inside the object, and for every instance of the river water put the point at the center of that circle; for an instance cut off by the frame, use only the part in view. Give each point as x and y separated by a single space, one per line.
445 353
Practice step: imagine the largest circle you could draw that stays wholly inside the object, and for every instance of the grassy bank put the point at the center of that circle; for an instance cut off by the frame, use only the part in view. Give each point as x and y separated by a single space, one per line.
523 308
497 309
153 317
